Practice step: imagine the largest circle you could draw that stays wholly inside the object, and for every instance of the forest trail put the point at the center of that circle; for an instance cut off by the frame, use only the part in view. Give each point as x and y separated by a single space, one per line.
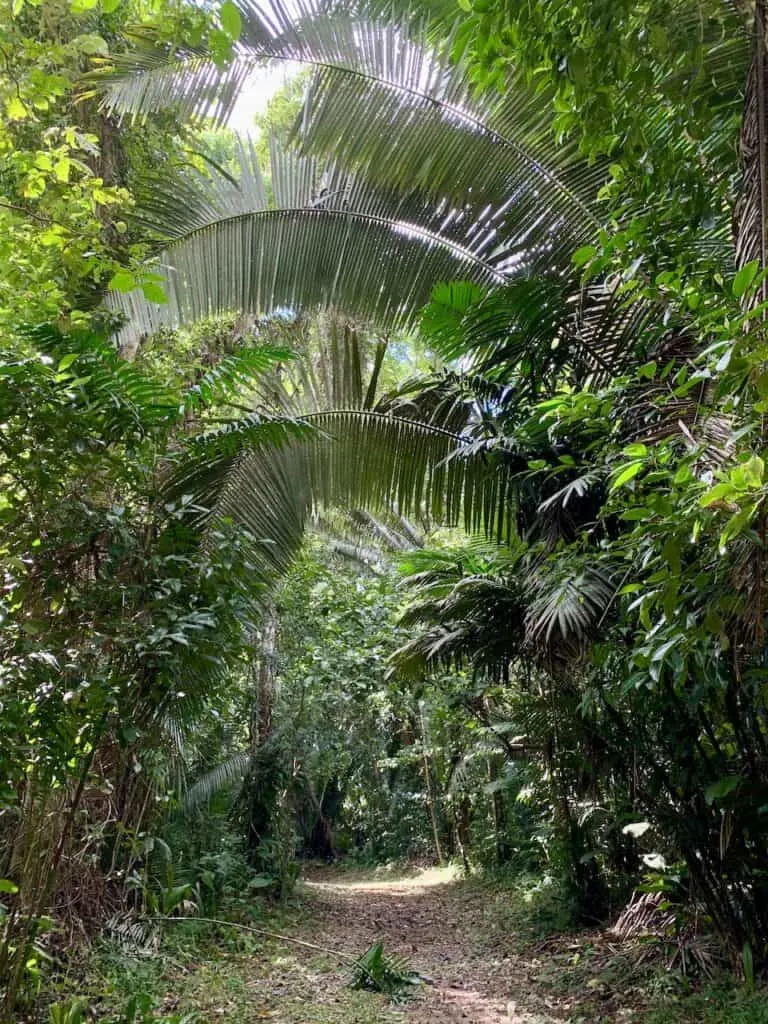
458 934
437 923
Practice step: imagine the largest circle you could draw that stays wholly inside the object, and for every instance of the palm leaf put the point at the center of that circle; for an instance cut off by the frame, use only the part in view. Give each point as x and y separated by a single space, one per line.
332 241
267 476
567 607
419 122
469 610
232 375
222 775
119 398
335 365
532 329
379 972
488 163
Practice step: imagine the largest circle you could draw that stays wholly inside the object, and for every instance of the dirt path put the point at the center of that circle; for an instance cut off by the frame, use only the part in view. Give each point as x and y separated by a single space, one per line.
437 923
455 933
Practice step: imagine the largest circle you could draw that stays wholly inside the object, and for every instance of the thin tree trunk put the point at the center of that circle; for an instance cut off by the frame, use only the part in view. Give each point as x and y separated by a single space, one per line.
428 784
499 812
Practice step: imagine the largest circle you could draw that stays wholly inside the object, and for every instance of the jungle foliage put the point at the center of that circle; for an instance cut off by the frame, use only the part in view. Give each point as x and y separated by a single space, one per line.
487 324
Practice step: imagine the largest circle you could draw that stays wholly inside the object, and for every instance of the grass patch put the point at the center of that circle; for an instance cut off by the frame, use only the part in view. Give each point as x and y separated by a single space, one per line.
215 973
721 1002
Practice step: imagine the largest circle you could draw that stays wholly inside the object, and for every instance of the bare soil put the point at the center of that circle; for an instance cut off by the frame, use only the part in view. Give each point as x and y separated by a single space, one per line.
433 920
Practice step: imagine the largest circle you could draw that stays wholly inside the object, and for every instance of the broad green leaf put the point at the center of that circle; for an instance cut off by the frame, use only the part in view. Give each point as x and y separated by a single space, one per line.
661 652
630 588
738 522
745 277
53 237
754 471
629 472
720 789
637 514
61 169
648 370
34 186
583 255
636 451
220 45
123 281
723 491
7 886
15 109
92 43
261 882
67 361
153 292
231 21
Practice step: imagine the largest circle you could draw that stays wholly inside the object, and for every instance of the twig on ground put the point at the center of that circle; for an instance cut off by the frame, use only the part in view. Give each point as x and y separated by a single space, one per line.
256 931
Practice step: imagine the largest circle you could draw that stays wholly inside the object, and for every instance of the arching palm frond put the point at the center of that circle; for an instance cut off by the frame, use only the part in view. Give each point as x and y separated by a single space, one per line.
249 473
232 375
419 125
335 367
419 122
331 241
222 775
155 76
353 458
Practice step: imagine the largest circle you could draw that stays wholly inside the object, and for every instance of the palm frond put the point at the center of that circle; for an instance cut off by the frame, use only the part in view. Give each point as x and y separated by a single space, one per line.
152 76
376 971
225 774
119 397
232 375
533 328
332 241
468 611
181 200
266 477
577 487
335 365
419 122
480 164
566 608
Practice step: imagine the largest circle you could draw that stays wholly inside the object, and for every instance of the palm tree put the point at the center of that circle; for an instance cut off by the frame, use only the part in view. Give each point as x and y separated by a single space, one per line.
430 180
435 182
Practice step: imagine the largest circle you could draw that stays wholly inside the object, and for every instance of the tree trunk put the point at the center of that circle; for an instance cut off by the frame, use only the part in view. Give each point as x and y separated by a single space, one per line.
431 802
